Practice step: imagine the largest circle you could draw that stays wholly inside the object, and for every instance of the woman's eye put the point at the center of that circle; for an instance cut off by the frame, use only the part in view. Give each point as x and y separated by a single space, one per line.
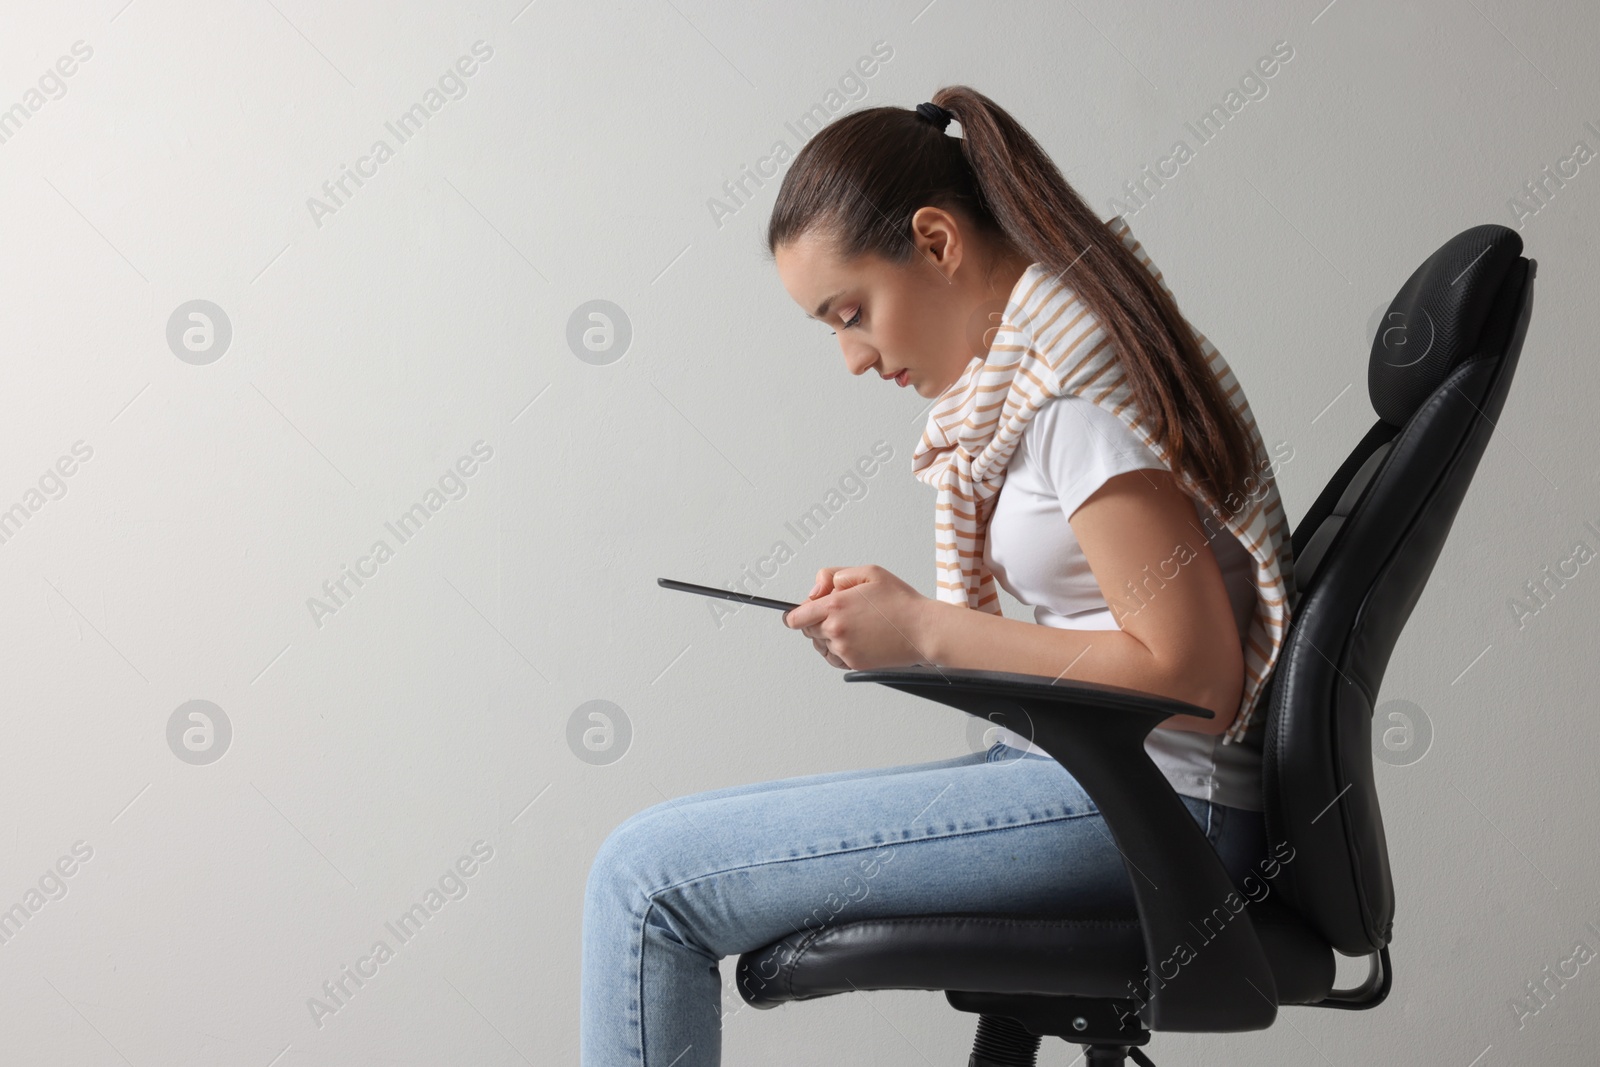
854 319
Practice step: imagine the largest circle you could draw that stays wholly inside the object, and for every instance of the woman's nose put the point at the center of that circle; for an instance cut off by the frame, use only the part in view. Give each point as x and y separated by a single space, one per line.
859 359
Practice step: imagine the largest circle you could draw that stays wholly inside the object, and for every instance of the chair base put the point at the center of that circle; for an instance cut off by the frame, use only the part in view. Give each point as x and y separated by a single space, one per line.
1004 1042
1018 1048
1081 1020
1113 1056
1010 1026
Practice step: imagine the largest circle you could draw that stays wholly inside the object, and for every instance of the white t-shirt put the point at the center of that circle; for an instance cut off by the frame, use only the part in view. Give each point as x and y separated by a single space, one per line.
1068 450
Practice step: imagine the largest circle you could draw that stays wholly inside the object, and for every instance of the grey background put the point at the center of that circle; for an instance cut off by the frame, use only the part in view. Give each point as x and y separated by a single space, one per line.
370 351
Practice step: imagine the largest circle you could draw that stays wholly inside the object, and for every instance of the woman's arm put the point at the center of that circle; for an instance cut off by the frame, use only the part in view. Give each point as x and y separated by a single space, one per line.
1178 637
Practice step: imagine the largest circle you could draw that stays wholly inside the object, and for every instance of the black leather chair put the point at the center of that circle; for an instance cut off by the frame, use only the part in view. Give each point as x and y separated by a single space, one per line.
1200 953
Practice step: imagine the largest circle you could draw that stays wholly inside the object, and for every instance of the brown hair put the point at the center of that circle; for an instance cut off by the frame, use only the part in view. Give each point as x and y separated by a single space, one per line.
861 178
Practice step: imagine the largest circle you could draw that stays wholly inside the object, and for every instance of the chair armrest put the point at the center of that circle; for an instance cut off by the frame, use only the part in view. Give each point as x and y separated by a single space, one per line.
1206 969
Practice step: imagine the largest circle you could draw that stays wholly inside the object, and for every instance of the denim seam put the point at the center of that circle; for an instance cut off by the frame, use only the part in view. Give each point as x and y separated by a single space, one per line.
638 983
947 835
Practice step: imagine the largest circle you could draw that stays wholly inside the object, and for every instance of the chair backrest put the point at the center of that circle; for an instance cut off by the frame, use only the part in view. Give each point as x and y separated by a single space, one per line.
1438 375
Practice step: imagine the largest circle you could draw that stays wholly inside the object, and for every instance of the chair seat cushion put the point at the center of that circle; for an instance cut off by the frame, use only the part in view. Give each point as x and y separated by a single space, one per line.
1059 955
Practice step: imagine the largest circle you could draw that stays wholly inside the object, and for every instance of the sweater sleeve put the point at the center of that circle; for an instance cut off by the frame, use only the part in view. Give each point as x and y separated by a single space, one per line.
1082 445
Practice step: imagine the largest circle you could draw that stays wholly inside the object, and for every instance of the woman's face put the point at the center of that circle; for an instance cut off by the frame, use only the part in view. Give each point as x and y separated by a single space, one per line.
927 317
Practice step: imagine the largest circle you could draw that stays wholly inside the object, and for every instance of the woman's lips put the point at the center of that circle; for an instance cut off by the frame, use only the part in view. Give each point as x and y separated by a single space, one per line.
903 377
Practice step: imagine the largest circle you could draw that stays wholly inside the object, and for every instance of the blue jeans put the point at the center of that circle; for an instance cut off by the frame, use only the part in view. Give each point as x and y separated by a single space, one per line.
684 883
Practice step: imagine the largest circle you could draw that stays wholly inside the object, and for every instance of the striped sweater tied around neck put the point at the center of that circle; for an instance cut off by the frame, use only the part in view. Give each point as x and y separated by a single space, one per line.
1050 344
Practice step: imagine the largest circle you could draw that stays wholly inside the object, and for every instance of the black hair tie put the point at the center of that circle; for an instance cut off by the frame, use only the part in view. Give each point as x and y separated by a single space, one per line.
935 114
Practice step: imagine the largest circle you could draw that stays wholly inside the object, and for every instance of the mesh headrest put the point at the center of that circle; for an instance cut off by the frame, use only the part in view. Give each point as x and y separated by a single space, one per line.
1436 320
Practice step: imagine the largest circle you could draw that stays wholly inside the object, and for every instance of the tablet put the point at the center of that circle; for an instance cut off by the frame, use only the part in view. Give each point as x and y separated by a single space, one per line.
726 594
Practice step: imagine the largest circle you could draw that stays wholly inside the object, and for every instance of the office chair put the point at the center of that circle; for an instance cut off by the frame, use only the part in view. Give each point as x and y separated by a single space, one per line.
1195 954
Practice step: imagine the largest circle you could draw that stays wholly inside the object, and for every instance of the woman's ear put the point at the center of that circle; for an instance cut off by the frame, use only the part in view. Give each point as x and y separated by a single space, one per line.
937 235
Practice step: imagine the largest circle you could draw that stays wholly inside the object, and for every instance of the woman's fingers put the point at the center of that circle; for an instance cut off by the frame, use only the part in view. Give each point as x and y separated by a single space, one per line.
822 647
824 584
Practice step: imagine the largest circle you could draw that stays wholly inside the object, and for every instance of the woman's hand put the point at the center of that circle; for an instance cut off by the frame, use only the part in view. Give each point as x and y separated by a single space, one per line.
862 618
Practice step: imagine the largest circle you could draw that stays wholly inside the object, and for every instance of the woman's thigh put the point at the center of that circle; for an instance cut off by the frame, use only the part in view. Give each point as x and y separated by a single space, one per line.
734 870
806 781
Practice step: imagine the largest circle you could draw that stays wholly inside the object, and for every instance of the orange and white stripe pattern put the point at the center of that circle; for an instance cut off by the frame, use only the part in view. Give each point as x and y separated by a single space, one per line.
1050 343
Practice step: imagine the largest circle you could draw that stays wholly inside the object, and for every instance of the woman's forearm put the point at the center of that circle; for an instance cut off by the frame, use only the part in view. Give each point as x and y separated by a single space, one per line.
954 636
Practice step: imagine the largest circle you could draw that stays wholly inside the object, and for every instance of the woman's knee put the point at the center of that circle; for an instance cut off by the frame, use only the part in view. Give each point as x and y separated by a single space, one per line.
621 846
641 848
617 860
637 817
625 840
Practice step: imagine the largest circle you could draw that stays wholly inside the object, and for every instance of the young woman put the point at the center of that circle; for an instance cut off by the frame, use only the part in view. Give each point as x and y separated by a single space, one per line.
1138 518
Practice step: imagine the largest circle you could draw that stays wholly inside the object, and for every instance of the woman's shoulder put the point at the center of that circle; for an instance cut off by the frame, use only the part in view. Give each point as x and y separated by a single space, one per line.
1078 444
1070 417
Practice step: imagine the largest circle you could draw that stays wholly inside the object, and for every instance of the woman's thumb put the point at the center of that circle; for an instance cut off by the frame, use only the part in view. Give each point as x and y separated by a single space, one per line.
848 576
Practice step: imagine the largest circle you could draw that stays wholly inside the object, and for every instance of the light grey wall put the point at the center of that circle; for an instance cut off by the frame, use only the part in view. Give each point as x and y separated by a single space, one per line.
376 345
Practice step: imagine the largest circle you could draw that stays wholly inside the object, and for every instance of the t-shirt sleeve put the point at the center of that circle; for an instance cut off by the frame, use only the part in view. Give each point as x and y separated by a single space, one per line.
1081 446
